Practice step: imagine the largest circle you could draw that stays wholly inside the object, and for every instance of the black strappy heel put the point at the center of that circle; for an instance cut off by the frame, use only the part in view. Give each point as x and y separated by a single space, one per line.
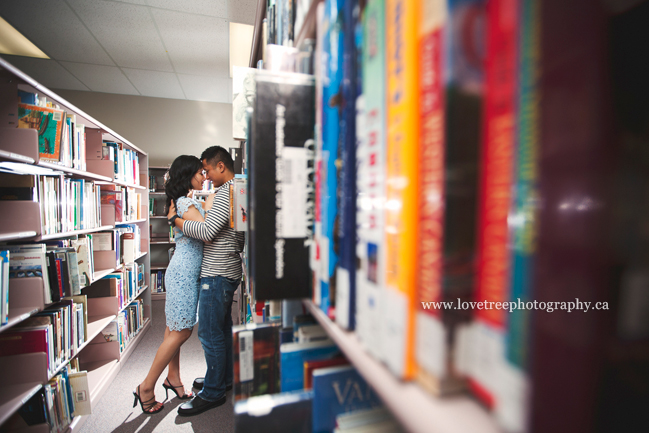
147 403
173 388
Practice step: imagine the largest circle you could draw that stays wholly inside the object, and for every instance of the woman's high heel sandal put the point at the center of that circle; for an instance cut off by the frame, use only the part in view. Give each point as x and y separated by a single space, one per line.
146 406
168 386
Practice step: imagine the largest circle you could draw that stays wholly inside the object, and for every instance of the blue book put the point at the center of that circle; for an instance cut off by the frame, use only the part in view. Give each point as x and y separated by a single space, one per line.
4 285
275 413
346 271
338 390
332 115
27 97
292 357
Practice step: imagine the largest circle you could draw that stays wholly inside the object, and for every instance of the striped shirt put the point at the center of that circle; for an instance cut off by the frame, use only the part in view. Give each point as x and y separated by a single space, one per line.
223 244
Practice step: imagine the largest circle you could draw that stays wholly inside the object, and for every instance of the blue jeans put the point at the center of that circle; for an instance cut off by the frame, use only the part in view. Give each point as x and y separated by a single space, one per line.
215 334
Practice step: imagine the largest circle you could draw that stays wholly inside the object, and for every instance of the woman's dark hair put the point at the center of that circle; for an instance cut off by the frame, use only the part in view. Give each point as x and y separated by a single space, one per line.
180 174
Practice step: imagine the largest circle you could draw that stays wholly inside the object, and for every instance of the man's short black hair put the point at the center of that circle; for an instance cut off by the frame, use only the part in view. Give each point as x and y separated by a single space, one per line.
215 154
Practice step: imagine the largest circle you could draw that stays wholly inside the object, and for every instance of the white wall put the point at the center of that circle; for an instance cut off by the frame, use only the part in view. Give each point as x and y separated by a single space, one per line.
164 128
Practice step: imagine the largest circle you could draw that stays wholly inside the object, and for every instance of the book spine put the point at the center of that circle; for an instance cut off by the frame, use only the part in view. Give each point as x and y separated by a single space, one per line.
402 180
431 350
332 108
495 190
346 271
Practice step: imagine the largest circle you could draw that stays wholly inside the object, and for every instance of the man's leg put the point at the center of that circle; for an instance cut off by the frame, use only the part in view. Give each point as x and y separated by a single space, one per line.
212 312
231 287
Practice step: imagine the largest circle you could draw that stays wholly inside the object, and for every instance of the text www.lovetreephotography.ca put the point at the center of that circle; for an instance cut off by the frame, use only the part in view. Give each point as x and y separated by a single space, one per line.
510 306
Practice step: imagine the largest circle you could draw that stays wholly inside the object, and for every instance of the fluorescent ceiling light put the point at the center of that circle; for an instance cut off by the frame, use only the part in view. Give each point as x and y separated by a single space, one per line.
14 43
240 45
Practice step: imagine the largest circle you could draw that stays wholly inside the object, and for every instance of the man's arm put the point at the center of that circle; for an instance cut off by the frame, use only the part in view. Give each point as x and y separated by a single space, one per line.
217 219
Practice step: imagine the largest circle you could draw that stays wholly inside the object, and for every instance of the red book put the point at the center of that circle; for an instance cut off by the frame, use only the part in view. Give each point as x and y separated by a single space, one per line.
310 366
20 342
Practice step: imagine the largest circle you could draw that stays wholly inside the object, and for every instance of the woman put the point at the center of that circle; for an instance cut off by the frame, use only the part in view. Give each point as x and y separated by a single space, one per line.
182 285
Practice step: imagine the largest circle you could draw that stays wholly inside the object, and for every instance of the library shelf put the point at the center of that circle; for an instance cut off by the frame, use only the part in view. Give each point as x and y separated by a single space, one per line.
96 324
158 266
4 237
158 296
120 183
102 373
127 303
73 233
17 315
141 220
13 397
157 217
257 36
416 410
309 25
98 275
78 173
15 157
157 193
161 242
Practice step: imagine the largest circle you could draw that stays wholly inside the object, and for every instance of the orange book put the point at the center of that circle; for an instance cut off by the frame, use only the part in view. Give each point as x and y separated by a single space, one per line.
431 352
402 181
49 124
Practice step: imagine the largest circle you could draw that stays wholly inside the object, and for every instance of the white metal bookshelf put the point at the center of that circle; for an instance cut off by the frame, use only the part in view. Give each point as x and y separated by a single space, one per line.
19 147
415 409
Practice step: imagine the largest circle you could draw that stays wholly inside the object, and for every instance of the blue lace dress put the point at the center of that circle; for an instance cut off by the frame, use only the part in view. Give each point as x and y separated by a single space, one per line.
183 274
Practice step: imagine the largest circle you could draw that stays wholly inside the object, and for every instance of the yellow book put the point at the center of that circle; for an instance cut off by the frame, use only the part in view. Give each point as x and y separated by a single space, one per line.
402 22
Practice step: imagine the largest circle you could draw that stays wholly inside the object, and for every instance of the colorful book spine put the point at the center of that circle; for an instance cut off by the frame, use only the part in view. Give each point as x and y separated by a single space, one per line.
346 270
495 193
331 117
402 181
370 181
431 343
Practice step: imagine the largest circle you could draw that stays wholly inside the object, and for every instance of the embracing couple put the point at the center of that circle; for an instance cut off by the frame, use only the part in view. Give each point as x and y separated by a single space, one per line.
203 275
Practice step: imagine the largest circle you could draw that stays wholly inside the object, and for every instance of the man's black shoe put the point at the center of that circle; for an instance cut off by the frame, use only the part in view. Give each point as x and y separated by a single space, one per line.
198 405
198 384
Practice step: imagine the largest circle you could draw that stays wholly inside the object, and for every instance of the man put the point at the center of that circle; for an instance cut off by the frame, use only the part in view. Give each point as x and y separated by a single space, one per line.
220 276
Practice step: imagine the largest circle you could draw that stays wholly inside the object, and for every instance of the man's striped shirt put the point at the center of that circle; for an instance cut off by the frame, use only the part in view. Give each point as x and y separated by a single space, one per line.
223 244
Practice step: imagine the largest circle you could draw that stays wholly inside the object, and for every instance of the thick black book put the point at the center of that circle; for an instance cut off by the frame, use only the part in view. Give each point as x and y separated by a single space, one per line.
281 185
256 360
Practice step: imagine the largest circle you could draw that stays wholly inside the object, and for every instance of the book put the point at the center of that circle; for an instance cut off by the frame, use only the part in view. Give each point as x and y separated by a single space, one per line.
339 390
243 96
311 366
30 261
451 124
402 184
332 106
282 130
293 356
4 286
80 393
346 270
276 413
111 331
370 182
256 360
49 124
496 180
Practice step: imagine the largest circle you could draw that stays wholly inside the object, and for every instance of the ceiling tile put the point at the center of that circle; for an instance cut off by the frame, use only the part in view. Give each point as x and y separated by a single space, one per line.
126 31
107 79
156 84
213 8
54 28
199 88
47 72
197 44
242 11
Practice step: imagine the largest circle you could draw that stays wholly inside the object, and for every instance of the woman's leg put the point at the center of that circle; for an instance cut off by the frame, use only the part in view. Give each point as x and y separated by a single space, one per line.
166 352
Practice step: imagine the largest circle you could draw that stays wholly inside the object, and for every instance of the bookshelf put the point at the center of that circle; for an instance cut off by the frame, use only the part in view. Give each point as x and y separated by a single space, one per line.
417 410
161 241
23 224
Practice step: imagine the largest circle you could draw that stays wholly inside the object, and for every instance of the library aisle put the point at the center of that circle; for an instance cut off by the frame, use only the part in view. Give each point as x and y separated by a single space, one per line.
115 413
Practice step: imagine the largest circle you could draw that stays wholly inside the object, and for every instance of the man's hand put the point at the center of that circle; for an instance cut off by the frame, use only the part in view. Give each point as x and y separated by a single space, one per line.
172 210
